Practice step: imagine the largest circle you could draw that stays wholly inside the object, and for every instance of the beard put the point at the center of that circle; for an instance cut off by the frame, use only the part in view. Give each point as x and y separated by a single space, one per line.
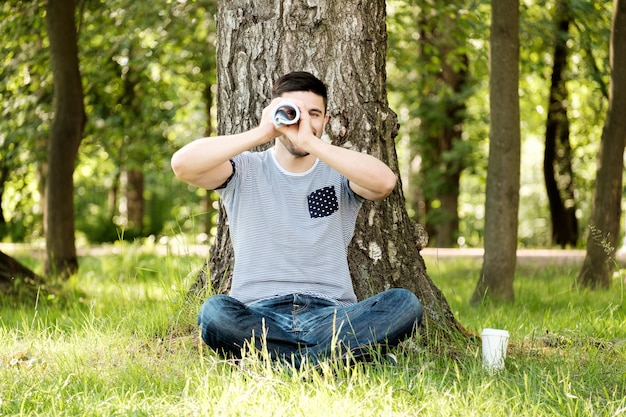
293 149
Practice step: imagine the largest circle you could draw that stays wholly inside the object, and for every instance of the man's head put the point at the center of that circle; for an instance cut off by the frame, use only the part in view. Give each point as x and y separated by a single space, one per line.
300 81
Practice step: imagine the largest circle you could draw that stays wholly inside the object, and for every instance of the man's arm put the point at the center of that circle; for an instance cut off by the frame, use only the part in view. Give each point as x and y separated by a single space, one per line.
369 177
205 162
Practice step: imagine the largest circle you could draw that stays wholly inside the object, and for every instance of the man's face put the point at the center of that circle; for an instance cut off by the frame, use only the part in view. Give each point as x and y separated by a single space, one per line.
317 114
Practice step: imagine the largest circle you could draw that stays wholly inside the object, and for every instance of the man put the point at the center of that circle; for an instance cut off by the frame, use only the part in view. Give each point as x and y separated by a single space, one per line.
292 211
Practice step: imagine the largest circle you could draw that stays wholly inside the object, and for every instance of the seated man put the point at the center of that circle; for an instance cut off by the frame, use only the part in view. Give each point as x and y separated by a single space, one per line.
292 211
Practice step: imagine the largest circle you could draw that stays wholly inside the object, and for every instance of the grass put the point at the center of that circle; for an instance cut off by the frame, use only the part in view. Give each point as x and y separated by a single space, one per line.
119 344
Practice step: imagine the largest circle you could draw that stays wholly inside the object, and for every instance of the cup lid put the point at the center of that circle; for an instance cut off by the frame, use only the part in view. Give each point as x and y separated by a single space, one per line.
494 332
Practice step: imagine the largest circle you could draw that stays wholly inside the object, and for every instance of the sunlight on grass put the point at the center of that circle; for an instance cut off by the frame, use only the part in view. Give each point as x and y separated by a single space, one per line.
121 340
546 301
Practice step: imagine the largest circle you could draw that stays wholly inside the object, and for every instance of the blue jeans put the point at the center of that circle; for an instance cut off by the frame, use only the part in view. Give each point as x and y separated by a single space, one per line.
296 326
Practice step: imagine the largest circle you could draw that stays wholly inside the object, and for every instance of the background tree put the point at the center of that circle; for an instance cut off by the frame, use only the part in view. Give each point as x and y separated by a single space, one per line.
134 104
443 62
599 263
344 44
25 101
65 137
503 177
145 92
557 165
429 63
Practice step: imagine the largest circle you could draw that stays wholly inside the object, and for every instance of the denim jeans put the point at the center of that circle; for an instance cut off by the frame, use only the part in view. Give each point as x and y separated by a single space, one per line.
295 326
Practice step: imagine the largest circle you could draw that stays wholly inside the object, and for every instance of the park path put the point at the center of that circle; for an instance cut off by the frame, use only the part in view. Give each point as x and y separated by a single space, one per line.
173 247
524 256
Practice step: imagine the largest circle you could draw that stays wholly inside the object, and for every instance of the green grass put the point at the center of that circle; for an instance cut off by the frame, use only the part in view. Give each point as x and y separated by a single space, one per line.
118 343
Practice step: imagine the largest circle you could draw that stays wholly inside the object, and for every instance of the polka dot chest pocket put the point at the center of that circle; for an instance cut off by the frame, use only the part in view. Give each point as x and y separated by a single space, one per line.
323 202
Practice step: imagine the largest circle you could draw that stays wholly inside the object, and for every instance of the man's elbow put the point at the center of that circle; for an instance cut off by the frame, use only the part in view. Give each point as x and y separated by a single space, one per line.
388 184
178 166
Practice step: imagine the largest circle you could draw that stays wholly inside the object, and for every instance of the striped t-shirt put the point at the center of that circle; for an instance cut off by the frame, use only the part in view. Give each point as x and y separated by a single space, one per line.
290 231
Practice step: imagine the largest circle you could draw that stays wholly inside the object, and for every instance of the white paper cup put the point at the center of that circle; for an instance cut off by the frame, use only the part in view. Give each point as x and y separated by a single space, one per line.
495 343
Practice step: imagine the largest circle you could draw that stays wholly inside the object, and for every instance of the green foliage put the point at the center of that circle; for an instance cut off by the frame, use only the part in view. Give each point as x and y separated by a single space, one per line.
25 99
144 92
146 71
416 94
121 340
149 79
587 73
431 43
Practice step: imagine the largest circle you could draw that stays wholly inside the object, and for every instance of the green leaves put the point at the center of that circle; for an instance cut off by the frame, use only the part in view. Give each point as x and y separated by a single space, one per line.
145 68
429 37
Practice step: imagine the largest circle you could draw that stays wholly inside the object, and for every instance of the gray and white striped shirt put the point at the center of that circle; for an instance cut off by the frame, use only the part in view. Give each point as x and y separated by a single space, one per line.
290 231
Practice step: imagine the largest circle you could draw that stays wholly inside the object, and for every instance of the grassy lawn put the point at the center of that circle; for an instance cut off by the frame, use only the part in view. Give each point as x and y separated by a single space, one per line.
118 343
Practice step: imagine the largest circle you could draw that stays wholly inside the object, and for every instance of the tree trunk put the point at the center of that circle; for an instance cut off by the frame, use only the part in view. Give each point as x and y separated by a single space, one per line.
344 44
4 176
557 166
135 203
599 262
65 136
209 197
442 118
503 172
112 207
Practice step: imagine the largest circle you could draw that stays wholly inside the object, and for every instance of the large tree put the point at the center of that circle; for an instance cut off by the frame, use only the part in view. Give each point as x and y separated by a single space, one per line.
344 44
599 262
503 172
65 137
557 164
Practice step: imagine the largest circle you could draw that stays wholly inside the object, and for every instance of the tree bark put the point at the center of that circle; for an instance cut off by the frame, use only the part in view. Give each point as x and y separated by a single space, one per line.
135 202
503 172
344 44
4 175
599 263
557 166
65 137
209 198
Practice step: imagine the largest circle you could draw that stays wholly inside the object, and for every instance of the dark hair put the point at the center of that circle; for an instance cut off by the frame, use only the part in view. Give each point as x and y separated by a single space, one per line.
300 81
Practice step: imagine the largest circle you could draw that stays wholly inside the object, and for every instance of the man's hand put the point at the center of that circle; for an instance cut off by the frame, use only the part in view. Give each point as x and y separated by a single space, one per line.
266 126
302 133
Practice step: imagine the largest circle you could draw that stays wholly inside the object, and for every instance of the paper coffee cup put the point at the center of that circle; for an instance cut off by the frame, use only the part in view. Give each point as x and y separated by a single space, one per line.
495 343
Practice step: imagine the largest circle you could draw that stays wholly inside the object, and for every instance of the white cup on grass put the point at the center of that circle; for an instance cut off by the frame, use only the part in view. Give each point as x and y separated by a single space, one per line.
495 343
